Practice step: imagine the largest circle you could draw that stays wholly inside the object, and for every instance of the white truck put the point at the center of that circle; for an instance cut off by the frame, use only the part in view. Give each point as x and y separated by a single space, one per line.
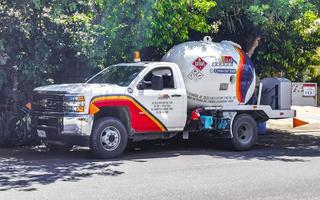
199 86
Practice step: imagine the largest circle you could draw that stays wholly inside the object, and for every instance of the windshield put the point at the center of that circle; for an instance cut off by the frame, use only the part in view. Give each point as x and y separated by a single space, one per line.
120 75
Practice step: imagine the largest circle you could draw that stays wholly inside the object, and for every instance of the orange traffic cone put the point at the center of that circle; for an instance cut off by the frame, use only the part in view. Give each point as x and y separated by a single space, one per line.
298 122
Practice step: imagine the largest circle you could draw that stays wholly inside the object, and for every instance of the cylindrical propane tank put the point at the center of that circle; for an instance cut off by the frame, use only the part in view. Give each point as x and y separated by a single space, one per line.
215 74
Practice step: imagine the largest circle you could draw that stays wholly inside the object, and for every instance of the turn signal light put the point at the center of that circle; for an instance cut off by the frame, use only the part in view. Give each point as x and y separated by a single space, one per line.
80 109
74 98
80 98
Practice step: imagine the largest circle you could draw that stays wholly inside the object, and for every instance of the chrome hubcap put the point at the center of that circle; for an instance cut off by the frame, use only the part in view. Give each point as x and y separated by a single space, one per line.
110 138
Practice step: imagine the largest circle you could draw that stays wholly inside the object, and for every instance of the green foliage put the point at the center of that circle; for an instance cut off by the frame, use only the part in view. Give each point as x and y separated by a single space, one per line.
62 40
51 40
39 36
289 35
128 25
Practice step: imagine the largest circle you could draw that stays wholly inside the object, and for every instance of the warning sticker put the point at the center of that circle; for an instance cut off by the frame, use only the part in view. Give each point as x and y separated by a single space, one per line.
195 74
199 63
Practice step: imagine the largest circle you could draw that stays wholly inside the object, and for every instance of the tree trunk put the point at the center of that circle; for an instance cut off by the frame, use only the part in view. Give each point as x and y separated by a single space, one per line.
253 44
15 88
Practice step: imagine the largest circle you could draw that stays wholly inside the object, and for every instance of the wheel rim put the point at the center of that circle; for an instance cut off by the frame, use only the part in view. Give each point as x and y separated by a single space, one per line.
110 138
245 133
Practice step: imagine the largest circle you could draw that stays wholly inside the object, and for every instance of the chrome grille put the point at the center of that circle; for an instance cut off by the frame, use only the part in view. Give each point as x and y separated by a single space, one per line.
47 103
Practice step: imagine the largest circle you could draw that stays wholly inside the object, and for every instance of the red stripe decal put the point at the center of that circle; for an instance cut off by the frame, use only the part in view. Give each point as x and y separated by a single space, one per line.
141 119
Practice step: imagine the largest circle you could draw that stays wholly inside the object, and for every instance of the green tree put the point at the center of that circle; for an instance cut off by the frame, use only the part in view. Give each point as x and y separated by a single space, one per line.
280 35
46 42
38 39
126 25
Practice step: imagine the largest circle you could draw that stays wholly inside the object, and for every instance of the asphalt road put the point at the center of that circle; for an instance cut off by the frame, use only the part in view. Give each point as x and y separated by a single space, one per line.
282 166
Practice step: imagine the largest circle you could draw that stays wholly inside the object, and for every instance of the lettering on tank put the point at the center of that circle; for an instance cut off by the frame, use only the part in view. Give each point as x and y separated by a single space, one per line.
210 99
223 71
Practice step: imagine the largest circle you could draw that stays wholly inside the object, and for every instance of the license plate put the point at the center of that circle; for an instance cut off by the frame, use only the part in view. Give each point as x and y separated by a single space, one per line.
42 133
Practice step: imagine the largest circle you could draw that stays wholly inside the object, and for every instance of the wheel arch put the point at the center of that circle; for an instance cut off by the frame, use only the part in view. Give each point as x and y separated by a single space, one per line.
257 115
119 112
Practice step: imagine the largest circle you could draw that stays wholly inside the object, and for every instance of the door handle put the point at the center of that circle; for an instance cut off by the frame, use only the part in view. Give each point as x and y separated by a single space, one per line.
164 96
176 95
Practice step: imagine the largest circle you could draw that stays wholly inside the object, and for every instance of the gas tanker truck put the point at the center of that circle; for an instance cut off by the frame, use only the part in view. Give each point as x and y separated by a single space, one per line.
199 87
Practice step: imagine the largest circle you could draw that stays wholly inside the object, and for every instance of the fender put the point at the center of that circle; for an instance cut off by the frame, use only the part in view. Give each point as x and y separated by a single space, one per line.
142 120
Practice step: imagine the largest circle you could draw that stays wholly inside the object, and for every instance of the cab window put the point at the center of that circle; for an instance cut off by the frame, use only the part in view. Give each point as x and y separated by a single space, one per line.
167 76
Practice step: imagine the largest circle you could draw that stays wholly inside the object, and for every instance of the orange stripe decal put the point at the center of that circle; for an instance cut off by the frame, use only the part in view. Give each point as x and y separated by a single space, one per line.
239 94
141 119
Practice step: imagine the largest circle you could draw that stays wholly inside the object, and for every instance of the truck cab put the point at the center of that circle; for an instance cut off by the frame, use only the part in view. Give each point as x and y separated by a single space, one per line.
122 102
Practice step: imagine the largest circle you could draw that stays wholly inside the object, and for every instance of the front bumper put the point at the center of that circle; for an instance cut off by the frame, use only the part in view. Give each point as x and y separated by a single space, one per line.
71 129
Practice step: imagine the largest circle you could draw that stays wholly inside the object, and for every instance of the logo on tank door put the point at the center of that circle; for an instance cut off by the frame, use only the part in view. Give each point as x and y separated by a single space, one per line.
224 61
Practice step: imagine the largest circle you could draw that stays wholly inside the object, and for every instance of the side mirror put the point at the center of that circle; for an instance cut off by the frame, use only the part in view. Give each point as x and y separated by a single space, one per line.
157 82
141 86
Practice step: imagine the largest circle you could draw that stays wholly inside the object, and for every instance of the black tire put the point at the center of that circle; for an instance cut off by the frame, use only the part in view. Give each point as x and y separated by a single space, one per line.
59 148
244 130
109 138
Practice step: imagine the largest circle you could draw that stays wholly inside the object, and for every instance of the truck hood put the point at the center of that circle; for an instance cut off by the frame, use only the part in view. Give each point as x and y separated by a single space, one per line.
82 88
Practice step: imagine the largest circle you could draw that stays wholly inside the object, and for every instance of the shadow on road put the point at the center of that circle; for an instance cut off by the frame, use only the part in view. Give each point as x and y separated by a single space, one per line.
275 146
23 168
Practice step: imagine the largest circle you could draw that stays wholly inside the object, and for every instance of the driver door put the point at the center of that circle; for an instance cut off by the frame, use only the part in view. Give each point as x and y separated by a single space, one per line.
167 104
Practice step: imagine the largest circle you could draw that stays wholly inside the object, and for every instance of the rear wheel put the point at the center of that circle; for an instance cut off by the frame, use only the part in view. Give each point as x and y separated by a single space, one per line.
109 138
244 131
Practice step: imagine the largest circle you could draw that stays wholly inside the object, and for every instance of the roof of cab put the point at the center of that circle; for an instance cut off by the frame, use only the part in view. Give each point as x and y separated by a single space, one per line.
143 63
133 64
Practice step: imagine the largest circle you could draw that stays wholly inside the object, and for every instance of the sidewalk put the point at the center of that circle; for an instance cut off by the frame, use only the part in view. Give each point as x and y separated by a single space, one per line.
306 113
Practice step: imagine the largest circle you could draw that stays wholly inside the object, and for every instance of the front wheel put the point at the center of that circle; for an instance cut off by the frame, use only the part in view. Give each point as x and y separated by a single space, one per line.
109 138
244 130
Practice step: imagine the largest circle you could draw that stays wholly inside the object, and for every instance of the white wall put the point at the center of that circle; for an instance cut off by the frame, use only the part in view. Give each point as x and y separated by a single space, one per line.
300 97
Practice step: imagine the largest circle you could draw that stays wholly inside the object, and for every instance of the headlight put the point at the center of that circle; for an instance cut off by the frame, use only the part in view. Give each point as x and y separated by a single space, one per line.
74 98
74 104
